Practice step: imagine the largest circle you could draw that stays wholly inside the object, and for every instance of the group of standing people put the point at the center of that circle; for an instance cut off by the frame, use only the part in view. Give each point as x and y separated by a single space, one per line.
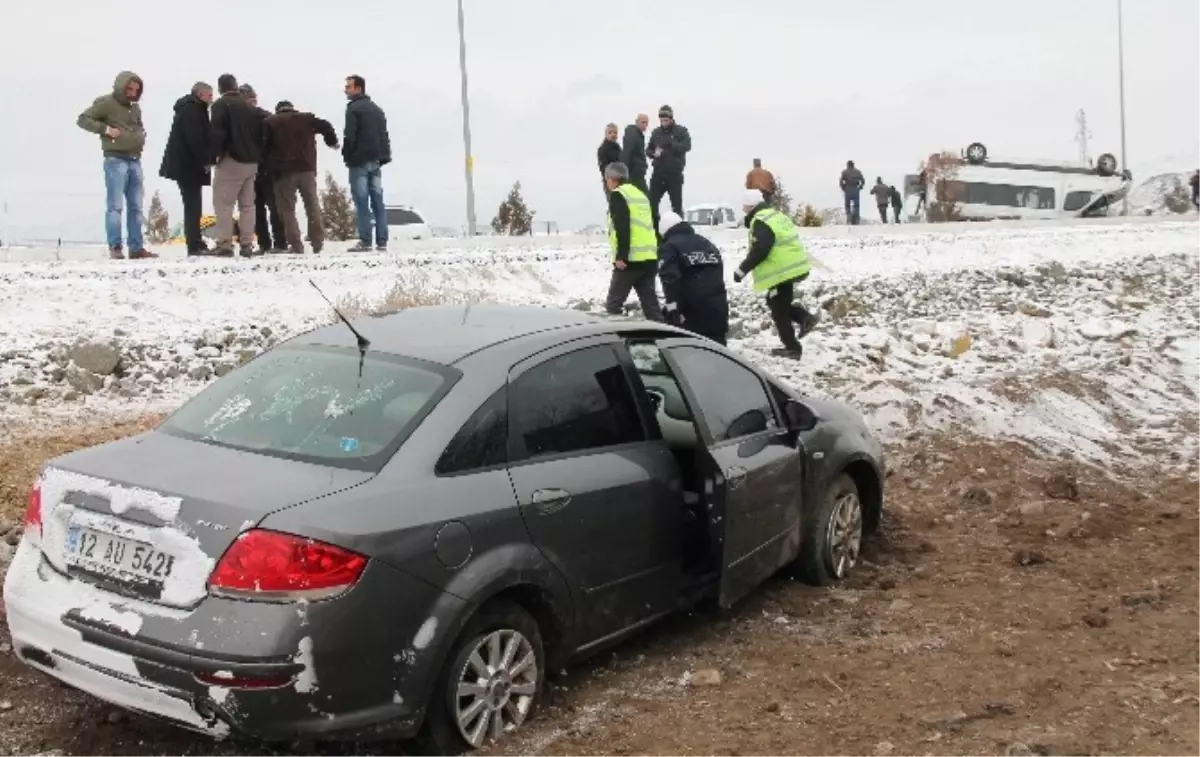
666 151
852 183
255 161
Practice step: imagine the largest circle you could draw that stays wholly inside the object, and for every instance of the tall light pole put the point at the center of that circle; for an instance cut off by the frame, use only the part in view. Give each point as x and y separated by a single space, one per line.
466 113
1121 86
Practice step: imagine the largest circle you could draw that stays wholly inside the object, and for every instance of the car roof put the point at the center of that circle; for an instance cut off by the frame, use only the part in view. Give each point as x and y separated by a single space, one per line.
448 333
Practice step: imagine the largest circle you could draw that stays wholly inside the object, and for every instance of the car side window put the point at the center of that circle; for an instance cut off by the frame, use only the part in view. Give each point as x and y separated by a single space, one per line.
574 402
730 397
482 441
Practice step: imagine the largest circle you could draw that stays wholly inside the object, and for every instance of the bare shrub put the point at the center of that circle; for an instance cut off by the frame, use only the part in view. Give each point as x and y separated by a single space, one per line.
1178 199
942 172
807 215
401 296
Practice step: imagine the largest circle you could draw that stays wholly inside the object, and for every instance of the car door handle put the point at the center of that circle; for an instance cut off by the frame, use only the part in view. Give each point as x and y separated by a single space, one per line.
547 501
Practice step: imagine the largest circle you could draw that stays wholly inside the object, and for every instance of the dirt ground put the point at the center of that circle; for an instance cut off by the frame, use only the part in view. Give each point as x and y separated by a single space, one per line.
1009 606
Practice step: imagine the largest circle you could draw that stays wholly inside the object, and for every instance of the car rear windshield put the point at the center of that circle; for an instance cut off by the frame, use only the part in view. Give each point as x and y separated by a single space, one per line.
316 404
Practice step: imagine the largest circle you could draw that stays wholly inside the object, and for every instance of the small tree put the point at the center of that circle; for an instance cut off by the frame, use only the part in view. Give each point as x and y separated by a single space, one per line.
337 211
514 217
158 224
781 200
941 172
1177 198
807 215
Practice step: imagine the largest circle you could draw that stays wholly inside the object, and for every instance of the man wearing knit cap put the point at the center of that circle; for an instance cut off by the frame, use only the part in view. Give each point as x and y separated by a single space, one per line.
268 225
693 279
668 148
634 245
186 160
776 260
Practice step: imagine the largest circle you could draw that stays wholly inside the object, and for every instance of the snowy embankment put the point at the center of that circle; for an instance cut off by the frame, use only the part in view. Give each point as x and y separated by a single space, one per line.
1078 339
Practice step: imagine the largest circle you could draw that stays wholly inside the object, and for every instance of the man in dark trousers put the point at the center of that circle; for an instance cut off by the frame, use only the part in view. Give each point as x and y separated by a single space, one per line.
608 152
897 204
693 280
291 156
668 148
186 160
268 225
236 153
777 260
366 149
852 183
633 151
634 245
883 195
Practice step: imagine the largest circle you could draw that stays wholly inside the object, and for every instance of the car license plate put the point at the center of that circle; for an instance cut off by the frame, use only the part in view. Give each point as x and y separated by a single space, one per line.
108 554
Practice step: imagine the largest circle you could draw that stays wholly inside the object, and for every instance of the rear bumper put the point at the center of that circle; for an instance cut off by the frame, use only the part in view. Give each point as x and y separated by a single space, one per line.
341 684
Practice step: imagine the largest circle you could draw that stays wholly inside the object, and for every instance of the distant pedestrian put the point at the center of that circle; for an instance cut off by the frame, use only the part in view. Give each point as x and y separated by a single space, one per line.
633 151
608 152
777 260
117 118
883 195
1195 182
187 162
366 149
922 189
236 153
897 204
631 235
693 280
761 179
852 183
268 225
291 156
668 148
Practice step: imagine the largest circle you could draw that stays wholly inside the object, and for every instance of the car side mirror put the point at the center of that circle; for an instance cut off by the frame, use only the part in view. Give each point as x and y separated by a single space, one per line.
800 417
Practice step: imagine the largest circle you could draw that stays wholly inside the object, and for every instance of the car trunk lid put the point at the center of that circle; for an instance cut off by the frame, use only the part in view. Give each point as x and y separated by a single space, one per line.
149 516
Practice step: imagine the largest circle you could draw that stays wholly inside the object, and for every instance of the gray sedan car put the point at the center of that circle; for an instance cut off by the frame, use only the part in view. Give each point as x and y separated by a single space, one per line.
397 535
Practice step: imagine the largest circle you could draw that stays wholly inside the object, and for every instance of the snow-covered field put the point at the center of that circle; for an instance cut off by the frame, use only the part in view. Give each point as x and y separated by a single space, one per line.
1078 338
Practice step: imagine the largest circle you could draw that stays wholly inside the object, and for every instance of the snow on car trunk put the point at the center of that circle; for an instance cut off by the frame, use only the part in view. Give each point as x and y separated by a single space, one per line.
149 517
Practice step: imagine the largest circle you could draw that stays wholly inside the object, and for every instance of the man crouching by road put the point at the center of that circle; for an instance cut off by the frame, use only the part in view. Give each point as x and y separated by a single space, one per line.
634 244
693 279
778 260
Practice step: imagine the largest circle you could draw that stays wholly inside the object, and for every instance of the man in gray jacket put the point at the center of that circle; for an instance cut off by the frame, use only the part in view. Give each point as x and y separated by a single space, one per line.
117 118
882 194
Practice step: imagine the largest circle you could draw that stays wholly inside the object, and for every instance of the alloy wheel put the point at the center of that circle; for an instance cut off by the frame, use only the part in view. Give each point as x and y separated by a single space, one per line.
845 534
496 687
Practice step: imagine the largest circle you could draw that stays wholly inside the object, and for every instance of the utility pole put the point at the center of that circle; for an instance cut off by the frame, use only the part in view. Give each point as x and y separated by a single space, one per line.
1082 135
466 113
1121 86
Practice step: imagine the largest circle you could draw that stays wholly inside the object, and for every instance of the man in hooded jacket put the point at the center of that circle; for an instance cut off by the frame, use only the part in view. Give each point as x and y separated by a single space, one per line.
116 117
693 280
186 159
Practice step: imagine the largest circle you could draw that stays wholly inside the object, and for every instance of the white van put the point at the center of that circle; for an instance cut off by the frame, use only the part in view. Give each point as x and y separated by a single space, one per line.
710 214
406 222
1027 189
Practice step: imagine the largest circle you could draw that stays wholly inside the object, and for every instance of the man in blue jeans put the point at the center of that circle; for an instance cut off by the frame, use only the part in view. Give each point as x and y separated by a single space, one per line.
116 118
366 149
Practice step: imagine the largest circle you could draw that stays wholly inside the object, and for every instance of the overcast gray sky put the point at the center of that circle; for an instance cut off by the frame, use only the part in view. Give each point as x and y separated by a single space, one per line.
803 84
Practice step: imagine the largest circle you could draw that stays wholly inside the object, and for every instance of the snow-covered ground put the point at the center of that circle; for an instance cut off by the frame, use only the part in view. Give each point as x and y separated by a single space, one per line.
1079 338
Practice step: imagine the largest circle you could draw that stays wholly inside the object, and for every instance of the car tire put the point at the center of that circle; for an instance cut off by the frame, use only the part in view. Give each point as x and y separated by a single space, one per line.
1106 164
826 556
976 153
509 623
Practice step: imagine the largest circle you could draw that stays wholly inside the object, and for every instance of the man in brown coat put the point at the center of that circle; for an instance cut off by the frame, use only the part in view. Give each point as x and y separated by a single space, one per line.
761 179
291 155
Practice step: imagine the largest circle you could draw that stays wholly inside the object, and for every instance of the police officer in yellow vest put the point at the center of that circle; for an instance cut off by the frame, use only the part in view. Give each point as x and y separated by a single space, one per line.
634 244
776 260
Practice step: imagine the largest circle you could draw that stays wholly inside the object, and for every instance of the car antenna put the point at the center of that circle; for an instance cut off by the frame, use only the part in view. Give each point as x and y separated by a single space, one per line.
363 342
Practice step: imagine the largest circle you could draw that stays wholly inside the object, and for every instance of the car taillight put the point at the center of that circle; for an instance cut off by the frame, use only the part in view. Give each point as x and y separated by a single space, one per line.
272 566
33 511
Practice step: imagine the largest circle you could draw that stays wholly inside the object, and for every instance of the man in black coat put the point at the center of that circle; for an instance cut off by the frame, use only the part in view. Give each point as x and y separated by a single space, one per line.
693 280
187 162
608 152
633 151
668 148
268 224
236 152
366 149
